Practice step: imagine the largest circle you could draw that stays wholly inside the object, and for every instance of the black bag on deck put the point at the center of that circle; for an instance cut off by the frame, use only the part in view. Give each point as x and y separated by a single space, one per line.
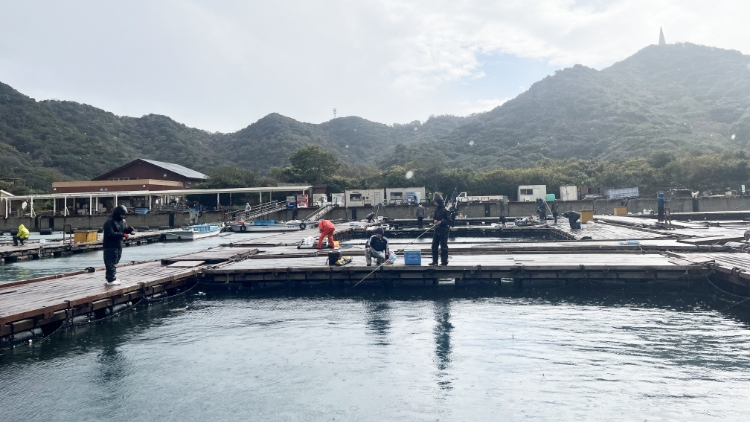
333 256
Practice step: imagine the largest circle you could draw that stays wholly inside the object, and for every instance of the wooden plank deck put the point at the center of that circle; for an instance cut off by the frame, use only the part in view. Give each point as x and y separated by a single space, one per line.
39 300
735 266
296 237
603 231
213 256
614 267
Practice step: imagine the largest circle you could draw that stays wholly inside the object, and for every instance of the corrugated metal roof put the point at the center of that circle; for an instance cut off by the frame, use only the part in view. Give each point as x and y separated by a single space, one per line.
176 168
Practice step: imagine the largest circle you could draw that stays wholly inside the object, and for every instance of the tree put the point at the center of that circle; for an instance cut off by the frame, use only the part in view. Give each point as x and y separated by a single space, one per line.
312 165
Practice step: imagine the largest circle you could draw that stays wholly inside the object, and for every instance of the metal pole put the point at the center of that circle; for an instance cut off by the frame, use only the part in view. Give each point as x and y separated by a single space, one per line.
91 204
31 210
148 197
65 205
54 206
218 201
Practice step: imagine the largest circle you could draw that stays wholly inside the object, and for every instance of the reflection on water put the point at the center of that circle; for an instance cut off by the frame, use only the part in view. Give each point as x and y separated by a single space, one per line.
378 355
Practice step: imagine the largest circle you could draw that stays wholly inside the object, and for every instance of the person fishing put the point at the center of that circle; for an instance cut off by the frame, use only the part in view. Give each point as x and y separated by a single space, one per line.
442 220
377 247
115 230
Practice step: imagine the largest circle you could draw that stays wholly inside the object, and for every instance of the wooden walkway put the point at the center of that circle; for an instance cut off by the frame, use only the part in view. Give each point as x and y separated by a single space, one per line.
618 252
613 267
296 237
735 266
33 303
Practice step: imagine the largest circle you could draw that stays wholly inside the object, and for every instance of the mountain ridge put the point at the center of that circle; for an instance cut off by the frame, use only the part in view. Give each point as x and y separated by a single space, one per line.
676 97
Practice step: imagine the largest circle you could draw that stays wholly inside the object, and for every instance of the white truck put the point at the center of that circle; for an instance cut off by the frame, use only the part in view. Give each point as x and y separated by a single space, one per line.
463 197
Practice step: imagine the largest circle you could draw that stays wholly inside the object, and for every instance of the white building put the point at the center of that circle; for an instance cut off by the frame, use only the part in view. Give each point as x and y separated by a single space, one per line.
364 197
399 196
568 193
528 193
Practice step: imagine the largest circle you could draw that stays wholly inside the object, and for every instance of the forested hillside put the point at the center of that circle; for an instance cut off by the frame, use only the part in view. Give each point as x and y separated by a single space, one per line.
680 98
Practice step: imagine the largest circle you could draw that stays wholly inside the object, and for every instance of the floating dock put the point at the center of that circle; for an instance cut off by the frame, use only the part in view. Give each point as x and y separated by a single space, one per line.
614 252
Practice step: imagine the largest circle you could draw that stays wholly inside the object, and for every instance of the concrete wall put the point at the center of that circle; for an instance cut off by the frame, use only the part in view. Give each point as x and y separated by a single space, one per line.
96 221
491 210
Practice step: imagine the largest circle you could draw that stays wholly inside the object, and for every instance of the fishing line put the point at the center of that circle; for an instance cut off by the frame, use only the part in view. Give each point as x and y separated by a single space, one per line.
384 262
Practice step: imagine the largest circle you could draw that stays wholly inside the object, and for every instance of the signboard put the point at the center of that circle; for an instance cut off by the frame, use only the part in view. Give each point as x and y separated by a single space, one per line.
291 201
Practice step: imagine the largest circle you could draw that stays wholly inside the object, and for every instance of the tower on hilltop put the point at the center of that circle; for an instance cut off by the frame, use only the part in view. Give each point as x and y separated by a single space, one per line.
661 37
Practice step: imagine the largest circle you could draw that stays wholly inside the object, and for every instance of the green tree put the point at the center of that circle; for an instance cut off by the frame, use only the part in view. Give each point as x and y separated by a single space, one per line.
312 165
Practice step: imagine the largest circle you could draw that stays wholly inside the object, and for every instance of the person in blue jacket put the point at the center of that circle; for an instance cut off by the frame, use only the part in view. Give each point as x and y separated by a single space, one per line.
660 202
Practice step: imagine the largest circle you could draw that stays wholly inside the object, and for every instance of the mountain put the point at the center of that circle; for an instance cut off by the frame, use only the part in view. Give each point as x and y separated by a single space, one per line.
679 97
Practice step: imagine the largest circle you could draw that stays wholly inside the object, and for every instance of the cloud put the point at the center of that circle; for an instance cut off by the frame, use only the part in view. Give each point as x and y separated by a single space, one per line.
223 64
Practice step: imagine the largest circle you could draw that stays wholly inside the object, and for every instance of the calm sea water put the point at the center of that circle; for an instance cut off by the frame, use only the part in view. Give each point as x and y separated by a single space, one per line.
401 354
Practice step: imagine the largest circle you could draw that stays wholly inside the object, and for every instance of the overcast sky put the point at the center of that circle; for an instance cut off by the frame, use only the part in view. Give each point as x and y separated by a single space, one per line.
222 65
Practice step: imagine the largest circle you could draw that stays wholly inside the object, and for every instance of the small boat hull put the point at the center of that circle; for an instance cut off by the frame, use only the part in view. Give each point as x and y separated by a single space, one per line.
196 232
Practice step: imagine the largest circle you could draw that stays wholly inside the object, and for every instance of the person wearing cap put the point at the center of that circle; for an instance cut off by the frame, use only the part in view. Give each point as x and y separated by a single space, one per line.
377 246
441 219
115 230
326 230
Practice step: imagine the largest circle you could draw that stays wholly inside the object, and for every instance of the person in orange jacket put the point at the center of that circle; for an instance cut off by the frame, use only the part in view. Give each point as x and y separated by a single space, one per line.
326 229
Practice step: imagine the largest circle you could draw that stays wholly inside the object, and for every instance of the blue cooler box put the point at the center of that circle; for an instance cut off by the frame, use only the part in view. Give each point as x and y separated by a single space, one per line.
413 257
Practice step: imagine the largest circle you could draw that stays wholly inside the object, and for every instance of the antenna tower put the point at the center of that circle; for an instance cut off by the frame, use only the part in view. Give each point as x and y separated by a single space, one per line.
334 113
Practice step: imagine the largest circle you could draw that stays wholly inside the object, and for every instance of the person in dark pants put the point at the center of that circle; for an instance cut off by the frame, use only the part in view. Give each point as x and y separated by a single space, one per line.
22 235
541 210
441 219
554 210
377 247
660 201
420 215
115 231
573 218
370 217
503 220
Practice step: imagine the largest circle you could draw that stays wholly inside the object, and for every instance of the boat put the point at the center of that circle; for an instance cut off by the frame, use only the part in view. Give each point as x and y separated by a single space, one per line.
197 231
266 226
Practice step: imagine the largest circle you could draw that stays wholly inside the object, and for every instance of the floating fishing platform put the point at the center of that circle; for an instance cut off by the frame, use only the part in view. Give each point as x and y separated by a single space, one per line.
613 252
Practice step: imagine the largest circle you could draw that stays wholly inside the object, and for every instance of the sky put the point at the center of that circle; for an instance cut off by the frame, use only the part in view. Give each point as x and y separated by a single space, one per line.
221 65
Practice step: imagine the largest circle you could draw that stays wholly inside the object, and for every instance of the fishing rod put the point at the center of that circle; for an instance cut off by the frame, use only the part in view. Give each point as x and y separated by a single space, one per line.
384 262
452 211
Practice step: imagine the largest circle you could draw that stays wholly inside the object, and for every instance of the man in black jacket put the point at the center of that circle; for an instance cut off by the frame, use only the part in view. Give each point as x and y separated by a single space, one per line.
115 230
377 246
441 219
